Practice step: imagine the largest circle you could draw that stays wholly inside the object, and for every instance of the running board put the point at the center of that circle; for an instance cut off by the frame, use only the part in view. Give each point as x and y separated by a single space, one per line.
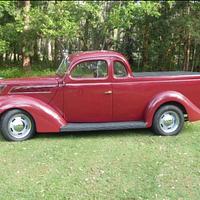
72 127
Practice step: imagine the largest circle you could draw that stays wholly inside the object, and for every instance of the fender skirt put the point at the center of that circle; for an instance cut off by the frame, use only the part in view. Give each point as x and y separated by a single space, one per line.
46 118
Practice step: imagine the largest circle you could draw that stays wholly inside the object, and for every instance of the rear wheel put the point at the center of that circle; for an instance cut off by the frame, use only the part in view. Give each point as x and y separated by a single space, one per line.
168 120
17 125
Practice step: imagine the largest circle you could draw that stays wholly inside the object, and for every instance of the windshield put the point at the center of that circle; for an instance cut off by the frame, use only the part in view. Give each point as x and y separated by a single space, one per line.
62 67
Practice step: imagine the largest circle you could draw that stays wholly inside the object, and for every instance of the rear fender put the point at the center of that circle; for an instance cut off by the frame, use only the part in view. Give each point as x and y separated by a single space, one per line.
192 110
46 118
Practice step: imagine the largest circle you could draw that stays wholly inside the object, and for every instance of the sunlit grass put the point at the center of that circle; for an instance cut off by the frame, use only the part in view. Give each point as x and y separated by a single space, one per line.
124 165
17 71
133 164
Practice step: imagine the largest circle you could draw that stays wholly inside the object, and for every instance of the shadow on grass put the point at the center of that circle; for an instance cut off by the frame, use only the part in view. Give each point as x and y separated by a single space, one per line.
138 133
95 134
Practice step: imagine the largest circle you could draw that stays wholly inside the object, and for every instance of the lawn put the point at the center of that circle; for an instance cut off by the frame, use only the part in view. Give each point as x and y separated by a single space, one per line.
125 165
17 71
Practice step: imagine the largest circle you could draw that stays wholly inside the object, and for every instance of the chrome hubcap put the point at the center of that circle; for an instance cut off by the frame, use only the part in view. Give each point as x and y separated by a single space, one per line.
19 126
169 121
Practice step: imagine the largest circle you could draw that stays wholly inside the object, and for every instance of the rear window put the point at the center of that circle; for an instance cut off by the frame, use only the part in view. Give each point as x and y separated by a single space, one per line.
119 70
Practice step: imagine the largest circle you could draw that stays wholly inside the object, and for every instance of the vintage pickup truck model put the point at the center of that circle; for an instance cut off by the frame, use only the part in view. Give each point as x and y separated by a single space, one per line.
97 91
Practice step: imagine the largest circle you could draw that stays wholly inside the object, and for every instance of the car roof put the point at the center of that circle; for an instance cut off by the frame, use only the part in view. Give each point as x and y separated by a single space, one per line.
91 54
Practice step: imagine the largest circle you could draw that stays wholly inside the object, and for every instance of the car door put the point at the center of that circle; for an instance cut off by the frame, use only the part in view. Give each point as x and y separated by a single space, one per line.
88 92
125 100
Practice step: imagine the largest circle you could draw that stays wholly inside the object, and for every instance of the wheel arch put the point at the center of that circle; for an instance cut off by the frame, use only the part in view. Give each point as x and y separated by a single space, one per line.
174 103
45 117
171 98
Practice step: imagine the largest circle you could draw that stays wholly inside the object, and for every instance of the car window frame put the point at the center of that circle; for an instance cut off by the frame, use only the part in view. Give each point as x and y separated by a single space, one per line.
113 65
89 79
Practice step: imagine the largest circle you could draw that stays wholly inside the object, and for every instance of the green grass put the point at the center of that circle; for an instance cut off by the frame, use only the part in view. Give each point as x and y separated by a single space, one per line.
124 165
17 71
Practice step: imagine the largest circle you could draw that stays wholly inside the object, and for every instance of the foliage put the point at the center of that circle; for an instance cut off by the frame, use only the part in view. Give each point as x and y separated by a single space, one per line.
3 46
17 71
6 25
56 21
154 35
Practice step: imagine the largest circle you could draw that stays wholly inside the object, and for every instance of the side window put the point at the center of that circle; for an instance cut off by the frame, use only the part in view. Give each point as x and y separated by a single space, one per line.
90 69
119 70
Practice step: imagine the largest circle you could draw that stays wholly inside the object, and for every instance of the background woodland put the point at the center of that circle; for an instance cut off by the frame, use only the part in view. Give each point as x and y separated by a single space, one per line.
153 35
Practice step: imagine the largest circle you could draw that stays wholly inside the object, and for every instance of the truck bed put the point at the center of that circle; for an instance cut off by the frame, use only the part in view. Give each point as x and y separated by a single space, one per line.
169 73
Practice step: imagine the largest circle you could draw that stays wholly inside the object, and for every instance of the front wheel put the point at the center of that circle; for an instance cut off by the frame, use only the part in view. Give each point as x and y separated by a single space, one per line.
17 125
168 120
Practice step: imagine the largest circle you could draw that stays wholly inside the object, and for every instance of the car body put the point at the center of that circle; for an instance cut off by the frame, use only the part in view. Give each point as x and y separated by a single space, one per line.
107 96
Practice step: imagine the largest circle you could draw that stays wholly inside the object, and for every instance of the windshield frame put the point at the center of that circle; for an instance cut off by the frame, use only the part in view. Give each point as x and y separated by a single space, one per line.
63 67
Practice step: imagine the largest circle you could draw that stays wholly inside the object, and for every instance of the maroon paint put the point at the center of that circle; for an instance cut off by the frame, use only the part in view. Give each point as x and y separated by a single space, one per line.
54 101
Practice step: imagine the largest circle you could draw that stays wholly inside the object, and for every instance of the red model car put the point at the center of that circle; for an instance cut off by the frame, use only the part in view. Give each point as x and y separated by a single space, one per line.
98 91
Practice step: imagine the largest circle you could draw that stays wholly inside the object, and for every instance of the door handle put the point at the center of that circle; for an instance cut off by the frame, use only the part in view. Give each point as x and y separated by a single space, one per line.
108 92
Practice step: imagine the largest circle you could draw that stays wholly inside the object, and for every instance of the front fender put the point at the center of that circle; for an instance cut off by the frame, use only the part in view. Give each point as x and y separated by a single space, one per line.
47 119
192 110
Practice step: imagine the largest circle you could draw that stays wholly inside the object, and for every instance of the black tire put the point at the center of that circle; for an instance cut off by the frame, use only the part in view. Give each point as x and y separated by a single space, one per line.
163 111
11 117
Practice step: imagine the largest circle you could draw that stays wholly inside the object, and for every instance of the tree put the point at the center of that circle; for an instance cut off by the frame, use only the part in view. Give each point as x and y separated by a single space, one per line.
26 61
153 35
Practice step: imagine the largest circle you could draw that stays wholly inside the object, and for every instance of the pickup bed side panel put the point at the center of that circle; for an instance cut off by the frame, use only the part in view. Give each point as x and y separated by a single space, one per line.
171 96
137 99
46 118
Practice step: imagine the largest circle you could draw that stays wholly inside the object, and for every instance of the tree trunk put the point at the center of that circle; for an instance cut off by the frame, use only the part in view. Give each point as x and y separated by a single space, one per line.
178 67
26 61
187 63
7 57
187 44
145 46
49 50
1 58
56 51
193 56
36 50
15 54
